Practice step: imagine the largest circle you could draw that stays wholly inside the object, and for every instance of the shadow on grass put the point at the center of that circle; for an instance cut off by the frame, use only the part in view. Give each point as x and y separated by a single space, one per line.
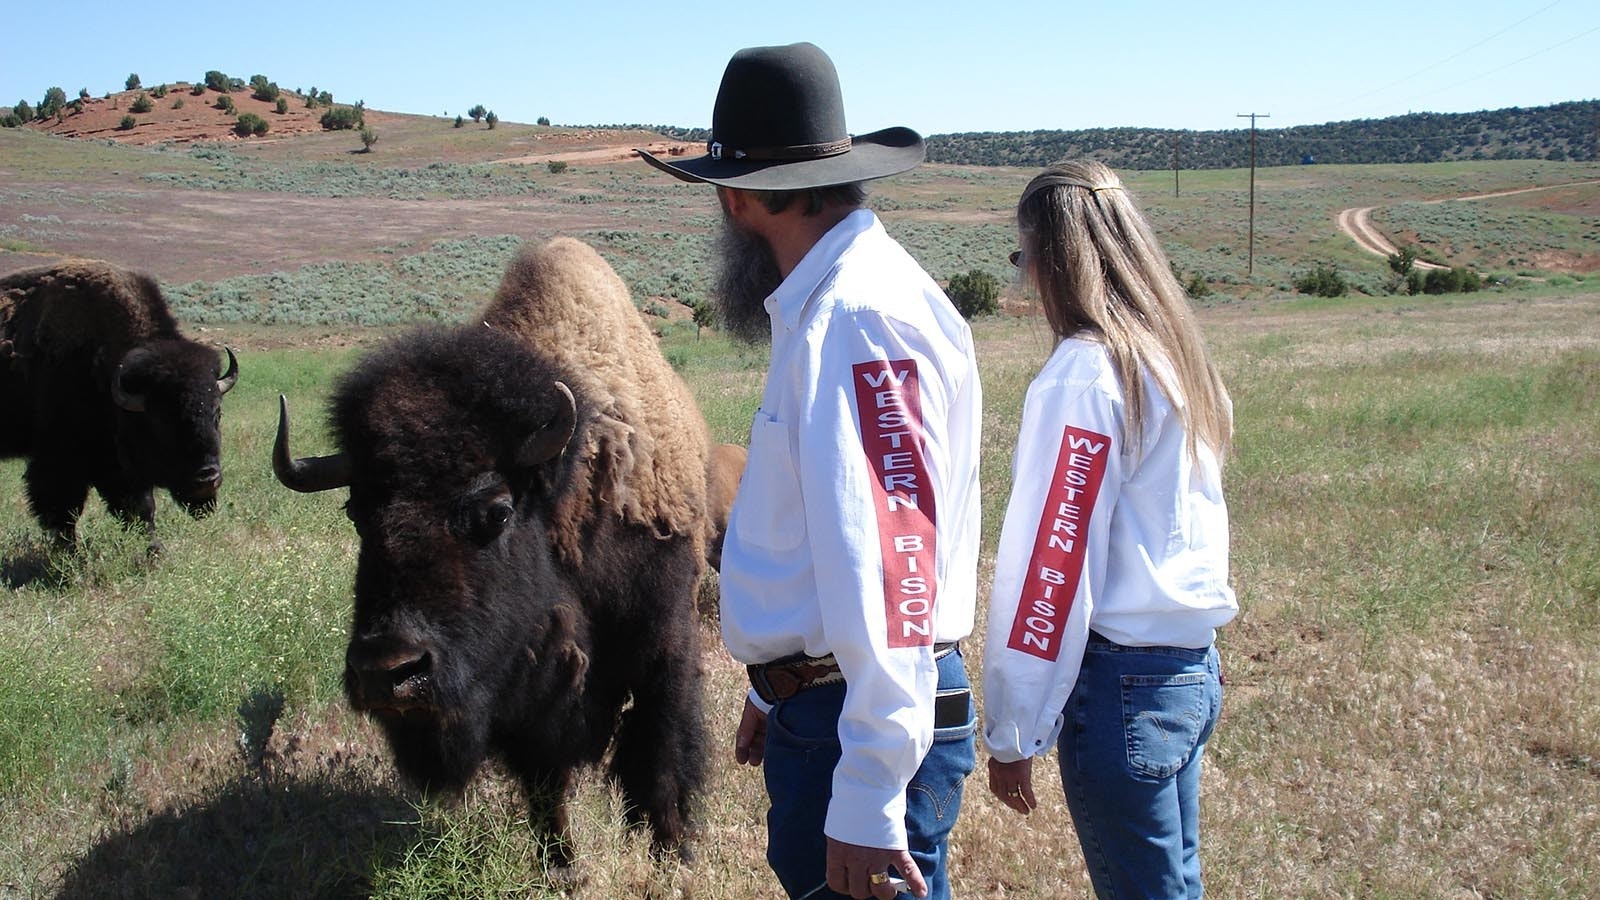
33 563
286 836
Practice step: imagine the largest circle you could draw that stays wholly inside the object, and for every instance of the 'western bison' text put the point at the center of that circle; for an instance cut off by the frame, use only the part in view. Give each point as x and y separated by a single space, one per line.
99 389
530 497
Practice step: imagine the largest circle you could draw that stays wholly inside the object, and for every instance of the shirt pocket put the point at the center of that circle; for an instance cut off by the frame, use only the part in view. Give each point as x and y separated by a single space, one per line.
770 512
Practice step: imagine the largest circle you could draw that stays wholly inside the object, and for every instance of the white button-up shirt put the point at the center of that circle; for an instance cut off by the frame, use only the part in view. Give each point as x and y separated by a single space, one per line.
1129 541
855 528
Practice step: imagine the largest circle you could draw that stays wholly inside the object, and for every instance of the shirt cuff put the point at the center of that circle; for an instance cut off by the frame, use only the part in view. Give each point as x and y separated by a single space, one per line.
1004 743
760 704
867 816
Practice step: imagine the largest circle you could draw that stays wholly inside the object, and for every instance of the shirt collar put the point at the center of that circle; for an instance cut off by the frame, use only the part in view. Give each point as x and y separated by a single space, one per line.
789 300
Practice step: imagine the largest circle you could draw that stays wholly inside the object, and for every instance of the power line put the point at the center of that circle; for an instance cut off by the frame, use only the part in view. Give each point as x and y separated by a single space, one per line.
1508 65
1457 55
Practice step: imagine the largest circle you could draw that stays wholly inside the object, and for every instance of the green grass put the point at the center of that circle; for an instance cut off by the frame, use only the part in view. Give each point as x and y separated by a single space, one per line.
1409 708
34 157
229 171
1411 498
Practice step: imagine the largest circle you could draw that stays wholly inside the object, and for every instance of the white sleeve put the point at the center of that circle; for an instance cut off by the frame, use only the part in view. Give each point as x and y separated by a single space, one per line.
871 517
1051 564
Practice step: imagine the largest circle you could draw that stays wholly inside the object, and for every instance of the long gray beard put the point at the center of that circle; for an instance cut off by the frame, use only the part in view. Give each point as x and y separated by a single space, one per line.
747 275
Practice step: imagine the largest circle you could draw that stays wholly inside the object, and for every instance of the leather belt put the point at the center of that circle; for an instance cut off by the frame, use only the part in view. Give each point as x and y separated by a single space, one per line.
783 678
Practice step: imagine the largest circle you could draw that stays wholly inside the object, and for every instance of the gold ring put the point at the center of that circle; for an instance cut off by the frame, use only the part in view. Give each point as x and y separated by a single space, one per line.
879 878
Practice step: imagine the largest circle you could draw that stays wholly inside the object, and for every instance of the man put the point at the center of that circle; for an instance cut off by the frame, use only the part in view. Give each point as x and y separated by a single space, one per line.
849 570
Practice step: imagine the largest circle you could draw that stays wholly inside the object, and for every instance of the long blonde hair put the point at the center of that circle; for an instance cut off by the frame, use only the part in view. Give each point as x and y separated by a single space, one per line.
1100 271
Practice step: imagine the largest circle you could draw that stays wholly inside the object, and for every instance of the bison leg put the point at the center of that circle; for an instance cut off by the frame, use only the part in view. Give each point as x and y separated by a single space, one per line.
549 816
133 506
56 496
662 748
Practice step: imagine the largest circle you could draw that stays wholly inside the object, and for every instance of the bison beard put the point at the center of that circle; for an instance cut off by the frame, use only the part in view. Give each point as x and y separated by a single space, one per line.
472 638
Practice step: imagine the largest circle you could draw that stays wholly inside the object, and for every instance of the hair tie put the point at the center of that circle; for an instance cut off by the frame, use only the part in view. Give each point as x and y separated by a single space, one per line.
1048 180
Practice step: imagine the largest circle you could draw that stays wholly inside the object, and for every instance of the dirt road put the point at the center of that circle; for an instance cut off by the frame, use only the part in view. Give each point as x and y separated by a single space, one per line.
1356 222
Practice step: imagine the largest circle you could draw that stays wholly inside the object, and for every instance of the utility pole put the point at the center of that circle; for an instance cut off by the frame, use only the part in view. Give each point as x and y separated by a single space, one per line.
1175 164
1251 264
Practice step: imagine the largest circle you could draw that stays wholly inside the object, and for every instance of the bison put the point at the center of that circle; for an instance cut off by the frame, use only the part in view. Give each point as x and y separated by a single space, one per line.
99 389
530 502
722 484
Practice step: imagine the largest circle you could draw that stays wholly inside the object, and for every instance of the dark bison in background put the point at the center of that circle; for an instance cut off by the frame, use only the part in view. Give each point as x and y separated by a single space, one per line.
99 389
530 502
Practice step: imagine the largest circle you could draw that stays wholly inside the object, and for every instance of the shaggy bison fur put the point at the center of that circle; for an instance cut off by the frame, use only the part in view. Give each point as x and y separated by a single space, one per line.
520 592
99 389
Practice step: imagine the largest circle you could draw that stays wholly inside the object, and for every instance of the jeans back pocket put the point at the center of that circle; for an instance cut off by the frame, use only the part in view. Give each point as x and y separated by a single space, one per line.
1163 717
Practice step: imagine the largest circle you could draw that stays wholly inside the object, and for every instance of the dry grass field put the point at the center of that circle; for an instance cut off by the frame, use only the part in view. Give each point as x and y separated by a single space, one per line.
1410 707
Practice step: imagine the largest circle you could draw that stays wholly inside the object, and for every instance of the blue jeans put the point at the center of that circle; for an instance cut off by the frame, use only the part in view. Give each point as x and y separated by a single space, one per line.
1135 729
801 753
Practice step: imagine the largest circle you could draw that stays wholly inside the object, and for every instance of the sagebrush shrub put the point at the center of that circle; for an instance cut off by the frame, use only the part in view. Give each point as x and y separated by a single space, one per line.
250 124
1322 281
975 293
342 118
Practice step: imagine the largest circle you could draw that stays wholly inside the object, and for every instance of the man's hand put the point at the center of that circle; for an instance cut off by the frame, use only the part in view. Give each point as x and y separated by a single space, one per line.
851 870
1013 783
750 744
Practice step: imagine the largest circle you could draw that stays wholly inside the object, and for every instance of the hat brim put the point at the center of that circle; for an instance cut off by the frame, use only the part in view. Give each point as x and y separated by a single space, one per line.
876 155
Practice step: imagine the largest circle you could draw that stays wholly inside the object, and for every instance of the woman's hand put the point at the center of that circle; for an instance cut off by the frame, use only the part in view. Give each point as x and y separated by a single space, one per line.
1012 782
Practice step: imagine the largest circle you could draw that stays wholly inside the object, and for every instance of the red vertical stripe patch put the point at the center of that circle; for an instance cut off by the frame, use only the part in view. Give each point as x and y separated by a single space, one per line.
889 411
1051 583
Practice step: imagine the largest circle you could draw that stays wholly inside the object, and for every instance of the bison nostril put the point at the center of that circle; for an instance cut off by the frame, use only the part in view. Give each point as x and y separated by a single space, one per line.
408 678
394 680
206 475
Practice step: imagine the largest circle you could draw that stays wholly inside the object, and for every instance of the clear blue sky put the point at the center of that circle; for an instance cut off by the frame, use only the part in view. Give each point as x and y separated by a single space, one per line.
934 66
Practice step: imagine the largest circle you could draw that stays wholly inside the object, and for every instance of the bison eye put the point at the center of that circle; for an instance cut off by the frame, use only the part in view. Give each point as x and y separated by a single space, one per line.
492 518
499 513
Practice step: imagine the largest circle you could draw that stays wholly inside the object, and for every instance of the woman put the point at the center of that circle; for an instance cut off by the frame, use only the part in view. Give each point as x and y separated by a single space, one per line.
1112 574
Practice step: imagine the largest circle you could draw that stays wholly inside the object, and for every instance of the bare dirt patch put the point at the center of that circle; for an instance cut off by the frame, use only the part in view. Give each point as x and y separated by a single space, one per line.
181 235
613 153
197 120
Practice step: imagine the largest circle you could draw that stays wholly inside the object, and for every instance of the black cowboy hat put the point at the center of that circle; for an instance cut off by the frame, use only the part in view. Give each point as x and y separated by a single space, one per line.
779 126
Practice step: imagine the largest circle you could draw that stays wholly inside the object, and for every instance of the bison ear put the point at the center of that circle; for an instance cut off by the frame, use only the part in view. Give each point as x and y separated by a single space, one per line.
551 439
121 394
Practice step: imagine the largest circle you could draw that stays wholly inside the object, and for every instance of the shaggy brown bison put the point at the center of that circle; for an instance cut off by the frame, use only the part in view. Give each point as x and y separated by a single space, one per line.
722 484
530 502
99 389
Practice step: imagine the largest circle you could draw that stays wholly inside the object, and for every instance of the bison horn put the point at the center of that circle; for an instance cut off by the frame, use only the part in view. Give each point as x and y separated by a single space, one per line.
121 396
307 474
548 442
230 377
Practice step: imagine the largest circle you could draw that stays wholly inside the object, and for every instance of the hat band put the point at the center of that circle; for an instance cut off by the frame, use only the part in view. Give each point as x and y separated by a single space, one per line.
718 150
